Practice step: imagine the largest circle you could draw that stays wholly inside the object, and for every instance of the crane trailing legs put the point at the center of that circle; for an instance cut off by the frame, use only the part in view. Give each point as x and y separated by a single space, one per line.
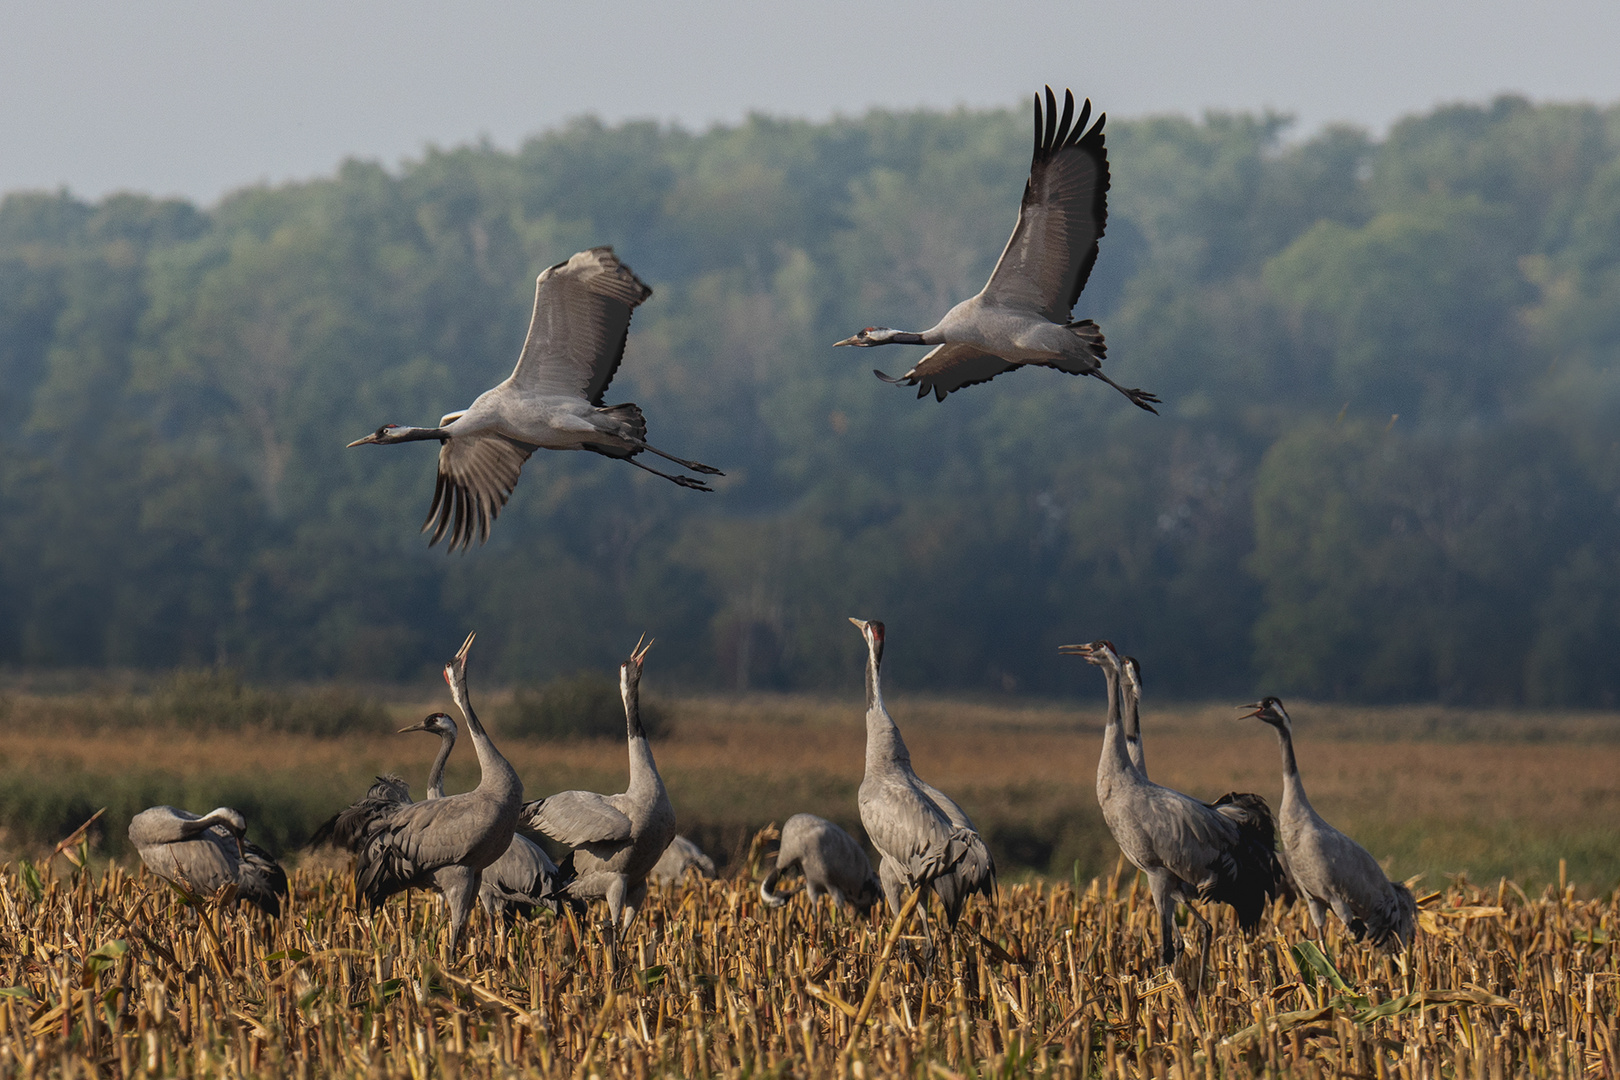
1327 867
1189 850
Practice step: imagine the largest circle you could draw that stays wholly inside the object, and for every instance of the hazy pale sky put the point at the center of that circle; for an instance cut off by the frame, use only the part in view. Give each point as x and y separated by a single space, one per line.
196 98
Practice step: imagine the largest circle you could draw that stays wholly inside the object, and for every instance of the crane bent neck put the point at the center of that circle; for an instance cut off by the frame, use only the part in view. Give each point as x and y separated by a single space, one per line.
1115 760
435 788
1133 728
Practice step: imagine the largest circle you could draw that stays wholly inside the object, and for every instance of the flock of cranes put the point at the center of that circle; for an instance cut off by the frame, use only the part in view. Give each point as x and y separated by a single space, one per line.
467 846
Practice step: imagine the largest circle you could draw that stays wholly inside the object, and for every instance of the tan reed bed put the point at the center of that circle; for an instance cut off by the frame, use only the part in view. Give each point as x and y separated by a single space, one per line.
116 975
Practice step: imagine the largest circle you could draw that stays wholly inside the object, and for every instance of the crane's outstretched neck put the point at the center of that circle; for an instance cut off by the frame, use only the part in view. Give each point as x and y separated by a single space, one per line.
884 746
495 772
643 770
393 433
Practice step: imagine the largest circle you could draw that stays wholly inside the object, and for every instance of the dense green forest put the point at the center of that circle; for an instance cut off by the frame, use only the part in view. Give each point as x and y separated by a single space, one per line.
1388 466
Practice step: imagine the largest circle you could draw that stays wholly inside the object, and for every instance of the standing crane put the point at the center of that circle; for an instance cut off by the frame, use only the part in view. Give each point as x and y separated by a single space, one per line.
206 853
617 839
551 401
522 879
447 842
1328 867
923 838
829 858
1022 315
1188 849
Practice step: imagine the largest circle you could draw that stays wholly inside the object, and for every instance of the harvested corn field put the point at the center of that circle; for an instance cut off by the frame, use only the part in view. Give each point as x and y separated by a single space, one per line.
115 975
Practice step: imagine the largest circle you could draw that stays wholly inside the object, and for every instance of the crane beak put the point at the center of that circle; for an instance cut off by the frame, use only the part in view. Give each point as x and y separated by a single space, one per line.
361 442
414 727
853 340
1075 650
1257 708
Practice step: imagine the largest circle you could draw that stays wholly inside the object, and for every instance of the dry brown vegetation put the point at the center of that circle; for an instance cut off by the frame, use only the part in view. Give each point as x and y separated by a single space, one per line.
118 975
1429 790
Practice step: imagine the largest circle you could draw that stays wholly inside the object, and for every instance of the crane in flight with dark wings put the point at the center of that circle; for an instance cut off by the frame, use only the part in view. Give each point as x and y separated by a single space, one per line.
1021 316
551 401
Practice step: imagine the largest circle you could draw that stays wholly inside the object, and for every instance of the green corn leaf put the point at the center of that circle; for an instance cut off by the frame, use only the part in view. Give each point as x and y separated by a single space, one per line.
1428 999
1311 963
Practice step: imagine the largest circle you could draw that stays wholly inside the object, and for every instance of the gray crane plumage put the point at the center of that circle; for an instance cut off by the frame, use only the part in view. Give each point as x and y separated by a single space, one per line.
447 842
616 839
204 853
1022 315
923 838
551 401
1327 867
1130 689
1189 850
681 855
520 881
829 858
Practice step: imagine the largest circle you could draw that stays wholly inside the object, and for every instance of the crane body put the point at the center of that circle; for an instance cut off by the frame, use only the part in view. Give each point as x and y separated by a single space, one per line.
207 852
831 861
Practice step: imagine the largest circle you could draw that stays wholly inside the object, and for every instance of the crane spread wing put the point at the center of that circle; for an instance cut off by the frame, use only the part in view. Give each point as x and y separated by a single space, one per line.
1065 209
476 476
577 818
581 320
950 367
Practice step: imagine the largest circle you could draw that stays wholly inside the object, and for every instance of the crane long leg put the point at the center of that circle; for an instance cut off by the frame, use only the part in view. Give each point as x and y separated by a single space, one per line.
1209 941
684 481
695 466
1140 398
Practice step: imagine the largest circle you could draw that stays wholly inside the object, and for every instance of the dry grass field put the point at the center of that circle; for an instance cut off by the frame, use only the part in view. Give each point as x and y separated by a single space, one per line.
108 974
113 973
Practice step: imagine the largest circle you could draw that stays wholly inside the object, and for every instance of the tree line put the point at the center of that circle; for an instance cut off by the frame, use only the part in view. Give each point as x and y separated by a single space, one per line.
1388 466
